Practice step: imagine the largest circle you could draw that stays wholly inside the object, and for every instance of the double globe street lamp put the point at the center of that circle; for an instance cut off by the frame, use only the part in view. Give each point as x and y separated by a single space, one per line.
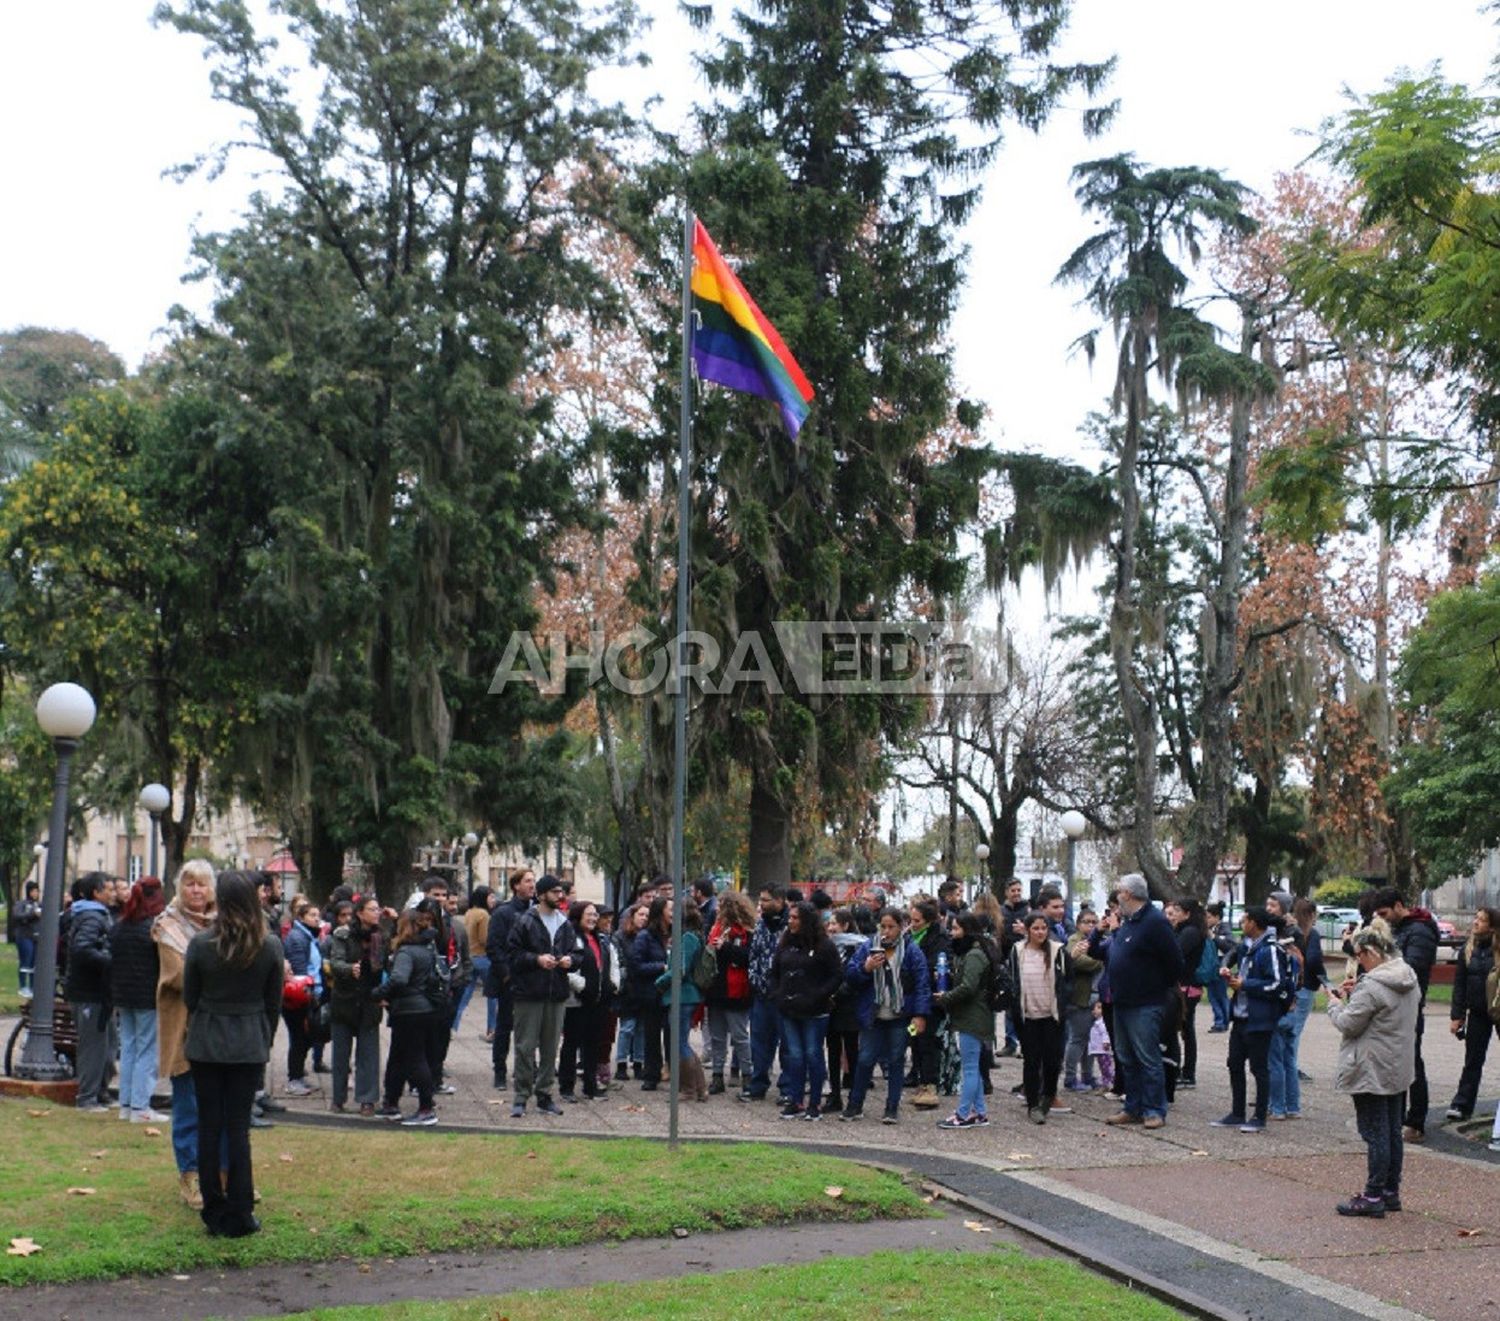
66 713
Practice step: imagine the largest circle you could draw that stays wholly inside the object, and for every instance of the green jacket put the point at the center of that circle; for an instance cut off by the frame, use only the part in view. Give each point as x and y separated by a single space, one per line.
692 942
968 1009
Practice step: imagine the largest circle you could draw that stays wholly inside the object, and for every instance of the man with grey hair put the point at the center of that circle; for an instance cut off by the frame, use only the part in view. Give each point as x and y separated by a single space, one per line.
1140 950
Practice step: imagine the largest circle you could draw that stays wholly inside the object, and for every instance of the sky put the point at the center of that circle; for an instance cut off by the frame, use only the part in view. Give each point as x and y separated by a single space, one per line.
97 103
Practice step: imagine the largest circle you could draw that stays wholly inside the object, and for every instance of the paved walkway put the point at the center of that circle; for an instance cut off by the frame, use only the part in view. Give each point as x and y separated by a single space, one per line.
1244 1222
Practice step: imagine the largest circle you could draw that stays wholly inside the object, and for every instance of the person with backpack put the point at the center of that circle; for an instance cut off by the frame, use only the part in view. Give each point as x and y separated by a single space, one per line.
729 996
1469 1016
893 994
1262 986
417 999
967 1006
1040 972
1198 952
542 951
699 967
805 974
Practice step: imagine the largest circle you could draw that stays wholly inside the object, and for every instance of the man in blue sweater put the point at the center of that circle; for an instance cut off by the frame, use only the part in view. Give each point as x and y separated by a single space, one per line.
1144 961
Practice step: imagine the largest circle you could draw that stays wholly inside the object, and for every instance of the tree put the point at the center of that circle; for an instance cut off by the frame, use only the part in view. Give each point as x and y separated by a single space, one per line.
124 543
1132 277
379 325
41 369
1448 779
837 172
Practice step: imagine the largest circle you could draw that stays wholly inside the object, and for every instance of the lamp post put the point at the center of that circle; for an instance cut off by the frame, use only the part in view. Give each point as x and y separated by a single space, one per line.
982 852
471 842
155 798
1073 824
66 713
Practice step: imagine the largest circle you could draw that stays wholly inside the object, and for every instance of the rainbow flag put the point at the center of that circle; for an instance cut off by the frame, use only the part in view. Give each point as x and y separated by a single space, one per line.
734 344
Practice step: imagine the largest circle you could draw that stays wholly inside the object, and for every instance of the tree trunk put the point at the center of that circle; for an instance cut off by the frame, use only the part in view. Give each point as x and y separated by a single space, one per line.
1258 844
1208 823
1003 836
324 869
1138 705
770 839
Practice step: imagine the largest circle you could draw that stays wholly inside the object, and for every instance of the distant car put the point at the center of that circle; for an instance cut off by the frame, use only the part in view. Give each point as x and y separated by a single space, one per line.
1333 922
1447 932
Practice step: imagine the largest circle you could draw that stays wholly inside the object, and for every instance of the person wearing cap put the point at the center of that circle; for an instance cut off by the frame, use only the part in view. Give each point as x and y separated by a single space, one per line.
540 955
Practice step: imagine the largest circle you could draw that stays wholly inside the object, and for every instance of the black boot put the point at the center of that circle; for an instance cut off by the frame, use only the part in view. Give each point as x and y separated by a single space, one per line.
622 1072
637 1071
499 1080
716 1087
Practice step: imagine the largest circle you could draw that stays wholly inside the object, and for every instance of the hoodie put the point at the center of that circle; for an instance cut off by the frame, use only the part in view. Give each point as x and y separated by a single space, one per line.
1378 1027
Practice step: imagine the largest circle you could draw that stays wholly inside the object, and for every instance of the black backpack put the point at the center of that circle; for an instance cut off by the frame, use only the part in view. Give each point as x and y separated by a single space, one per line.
998 992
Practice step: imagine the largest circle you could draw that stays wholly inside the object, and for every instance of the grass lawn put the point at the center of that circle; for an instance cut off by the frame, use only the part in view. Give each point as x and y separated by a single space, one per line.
920 1285
10 1001
383 1192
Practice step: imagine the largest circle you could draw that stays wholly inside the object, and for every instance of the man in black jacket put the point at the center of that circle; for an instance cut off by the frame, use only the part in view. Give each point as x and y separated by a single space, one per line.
497 980
1417 938
540 953
88 987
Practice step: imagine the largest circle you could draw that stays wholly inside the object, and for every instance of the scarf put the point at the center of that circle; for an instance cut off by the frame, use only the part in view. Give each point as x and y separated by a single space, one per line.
888 994
175 926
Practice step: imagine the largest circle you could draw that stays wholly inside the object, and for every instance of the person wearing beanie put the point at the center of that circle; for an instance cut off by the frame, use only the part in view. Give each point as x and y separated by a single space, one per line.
541 953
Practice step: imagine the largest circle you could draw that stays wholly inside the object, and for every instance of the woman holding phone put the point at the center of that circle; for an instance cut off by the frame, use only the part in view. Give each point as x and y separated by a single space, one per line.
893 996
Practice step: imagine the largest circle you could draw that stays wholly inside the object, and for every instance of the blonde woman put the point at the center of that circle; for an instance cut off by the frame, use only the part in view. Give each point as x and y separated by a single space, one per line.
191 911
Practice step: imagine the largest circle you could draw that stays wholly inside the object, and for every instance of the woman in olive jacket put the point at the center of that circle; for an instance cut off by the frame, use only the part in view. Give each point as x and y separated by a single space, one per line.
972 1018
231 984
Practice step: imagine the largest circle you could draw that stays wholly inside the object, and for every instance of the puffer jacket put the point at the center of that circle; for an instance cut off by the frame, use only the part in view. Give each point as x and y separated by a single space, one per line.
1417 938
528 942
134 965
352 998
412 988
968 1010
1378 1027
803 981
1468 981
88 953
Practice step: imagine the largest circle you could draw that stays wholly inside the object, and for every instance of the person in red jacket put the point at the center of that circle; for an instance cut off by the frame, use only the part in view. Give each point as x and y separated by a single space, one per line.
729 996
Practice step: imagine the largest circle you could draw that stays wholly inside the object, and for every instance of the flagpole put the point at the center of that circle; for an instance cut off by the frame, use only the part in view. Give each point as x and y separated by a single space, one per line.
679 731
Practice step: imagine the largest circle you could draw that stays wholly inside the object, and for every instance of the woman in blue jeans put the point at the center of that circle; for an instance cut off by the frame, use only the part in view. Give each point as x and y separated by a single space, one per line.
972 1018
191 911
805 974
1286 1085
893 994
28 922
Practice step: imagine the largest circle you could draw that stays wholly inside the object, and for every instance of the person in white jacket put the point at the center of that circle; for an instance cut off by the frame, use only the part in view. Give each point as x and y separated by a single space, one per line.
1376 1016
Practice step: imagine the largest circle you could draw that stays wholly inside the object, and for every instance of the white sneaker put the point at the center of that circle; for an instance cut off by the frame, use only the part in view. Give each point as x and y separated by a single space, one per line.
148 1116
297 1087
124 1112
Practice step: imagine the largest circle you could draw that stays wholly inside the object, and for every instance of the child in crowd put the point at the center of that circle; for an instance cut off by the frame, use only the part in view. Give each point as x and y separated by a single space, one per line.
1101 1055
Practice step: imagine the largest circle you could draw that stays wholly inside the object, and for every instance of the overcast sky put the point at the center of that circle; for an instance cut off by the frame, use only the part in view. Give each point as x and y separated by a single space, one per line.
96 103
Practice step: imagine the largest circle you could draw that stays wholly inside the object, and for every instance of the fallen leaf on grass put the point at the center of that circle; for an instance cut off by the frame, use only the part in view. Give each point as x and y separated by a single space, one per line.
978 1227
22 1247
100 1154
931 1197
286 1157
82 1192
38 1114
151 1132
1469 1233
679 1232
833 1190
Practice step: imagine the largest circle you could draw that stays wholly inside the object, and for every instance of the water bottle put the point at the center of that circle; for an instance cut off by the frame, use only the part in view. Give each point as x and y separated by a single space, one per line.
942 970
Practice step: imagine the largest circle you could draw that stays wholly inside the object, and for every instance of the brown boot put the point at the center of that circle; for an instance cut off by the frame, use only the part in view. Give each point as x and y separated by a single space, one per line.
187 1188
700 1082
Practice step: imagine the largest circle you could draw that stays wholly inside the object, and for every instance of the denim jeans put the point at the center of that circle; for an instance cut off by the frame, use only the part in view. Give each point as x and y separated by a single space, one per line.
25 963
684 1027
971 1085
630 1043
1218 997
806 1064
185 1123
1286 1087
1378 1119
1137 1039
765 1040
883 1042
1080 1022
481 972
137 1058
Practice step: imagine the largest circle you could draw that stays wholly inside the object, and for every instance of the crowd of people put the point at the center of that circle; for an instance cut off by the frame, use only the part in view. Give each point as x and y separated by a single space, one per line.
794 996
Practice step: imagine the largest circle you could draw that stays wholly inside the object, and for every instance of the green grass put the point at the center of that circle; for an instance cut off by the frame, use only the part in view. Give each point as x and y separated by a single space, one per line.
918 1285
383 1192
10 1001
